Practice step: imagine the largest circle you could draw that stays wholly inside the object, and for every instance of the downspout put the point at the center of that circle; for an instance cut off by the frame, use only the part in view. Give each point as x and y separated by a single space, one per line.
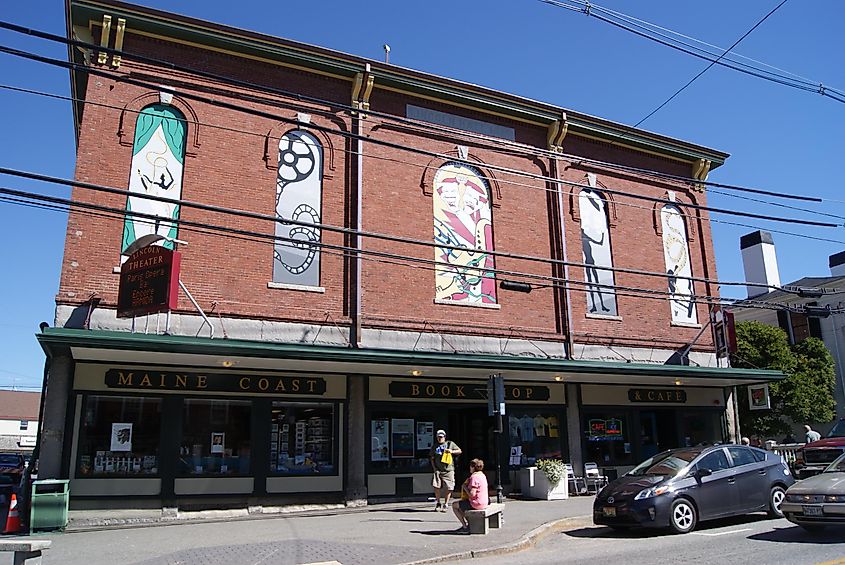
362 87
557 132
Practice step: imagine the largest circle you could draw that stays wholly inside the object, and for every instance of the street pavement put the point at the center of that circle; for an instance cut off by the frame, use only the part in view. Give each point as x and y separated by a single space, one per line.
385 534
752 539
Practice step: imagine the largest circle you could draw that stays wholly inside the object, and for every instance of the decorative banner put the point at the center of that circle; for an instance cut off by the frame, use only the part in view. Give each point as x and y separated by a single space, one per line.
473 391
758 397
380 445
678 269
463 218
595 244
667 396
211 382
149 282
121 437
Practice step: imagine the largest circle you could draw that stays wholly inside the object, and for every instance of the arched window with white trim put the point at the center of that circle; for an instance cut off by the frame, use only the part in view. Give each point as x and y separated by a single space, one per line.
463 218
678 268
299 191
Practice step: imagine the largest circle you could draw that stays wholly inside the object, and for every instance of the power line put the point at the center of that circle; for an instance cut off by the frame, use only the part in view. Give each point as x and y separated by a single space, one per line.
431 264
708 67
407 121
397 146
594 10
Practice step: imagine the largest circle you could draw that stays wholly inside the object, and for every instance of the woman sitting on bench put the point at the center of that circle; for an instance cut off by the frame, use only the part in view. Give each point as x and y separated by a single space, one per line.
473 494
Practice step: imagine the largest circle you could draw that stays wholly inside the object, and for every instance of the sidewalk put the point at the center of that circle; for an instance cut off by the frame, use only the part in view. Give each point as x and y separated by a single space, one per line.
387 534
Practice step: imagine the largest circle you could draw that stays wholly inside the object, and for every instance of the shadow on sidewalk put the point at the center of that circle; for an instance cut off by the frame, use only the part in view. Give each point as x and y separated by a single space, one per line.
450 532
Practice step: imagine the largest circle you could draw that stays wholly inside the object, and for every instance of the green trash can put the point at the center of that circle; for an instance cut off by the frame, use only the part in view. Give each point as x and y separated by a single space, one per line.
48 510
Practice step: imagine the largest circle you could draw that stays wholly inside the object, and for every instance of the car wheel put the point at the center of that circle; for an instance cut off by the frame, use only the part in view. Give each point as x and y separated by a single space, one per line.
812 528
683 516
776 498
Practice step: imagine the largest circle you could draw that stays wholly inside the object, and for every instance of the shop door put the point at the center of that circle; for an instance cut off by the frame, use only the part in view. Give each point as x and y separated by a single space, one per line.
470 428
658 432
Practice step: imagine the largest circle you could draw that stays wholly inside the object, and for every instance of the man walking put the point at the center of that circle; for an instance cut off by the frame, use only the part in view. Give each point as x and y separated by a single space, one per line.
442 463
812 435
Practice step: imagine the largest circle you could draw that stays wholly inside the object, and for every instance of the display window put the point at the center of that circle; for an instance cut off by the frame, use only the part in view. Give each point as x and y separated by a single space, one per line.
119 436
702 427
534 434
302 439
608 435
216 437
401 440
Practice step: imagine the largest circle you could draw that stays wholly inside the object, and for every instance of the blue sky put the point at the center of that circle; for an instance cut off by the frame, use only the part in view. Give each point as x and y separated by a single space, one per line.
779 138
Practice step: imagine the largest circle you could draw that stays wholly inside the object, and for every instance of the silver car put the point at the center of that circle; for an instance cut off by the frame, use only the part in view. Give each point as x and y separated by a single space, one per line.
818 501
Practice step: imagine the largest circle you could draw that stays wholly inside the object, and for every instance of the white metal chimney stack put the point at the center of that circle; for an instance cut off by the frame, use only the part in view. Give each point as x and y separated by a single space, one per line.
836 262
760 262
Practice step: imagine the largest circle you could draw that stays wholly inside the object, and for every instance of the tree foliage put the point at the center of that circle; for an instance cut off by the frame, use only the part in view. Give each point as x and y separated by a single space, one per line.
805 395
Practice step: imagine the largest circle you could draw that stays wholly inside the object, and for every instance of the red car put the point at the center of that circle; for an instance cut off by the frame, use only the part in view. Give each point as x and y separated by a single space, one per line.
814 457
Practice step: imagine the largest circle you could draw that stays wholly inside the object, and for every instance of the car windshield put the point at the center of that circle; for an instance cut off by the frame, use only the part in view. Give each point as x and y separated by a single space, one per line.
7 460
838 465
666 464
838 430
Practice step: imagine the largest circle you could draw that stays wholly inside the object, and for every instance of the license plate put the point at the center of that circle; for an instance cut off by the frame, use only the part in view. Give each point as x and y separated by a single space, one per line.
609 511
812 510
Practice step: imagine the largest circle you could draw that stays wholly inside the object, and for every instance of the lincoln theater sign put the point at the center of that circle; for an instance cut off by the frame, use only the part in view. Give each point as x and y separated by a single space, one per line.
149 282
212 382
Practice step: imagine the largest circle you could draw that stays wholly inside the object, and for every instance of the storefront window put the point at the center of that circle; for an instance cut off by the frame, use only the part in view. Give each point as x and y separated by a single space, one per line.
401 441
608 437
534 435
215 437
701 427
301 439
119 436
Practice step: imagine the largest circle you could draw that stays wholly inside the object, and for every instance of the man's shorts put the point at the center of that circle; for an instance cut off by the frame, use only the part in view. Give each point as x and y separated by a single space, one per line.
442 479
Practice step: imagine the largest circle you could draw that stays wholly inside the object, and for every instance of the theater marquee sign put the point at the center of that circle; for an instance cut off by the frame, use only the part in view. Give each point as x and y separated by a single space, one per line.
213 382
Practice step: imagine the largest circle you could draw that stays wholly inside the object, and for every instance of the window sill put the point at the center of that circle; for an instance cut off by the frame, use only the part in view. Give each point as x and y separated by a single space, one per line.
603 317
299 287
686 325
467 304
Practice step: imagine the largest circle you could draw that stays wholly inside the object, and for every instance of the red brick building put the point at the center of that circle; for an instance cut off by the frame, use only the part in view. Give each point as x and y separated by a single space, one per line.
350 232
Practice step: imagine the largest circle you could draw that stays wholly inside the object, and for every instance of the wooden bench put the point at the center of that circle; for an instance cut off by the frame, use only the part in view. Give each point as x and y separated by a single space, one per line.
480 521
27 551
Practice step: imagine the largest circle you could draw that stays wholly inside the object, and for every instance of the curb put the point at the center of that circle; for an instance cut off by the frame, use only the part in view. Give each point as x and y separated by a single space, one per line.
527 541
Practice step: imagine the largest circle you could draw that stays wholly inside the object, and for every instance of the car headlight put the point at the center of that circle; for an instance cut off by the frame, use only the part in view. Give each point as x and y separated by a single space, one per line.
834 498
651 492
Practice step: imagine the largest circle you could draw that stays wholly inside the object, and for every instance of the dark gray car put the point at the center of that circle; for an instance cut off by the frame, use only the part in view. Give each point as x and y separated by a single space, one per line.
678 488
818 501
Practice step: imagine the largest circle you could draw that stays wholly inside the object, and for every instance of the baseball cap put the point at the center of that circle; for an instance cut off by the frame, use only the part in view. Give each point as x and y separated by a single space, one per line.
440 433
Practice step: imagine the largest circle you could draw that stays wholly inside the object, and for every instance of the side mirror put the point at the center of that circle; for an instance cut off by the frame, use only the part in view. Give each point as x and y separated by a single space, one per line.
701 473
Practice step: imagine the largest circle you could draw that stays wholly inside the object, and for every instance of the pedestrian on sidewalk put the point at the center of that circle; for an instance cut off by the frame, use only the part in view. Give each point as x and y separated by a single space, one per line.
474 493
812 435
442 457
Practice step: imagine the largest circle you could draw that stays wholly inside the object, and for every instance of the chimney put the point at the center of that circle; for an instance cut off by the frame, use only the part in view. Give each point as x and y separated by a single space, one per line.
836 262
760 261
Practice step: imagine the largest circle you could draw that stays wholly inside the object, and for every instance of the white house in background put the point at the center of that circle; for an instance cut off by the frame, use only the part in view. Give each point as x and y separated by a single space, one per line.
18 420
760 262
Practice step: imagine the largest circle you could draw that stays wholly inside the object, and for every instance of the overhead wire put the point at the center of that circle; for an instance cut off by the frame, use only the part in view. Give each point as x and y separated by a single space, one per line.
383 115
712 63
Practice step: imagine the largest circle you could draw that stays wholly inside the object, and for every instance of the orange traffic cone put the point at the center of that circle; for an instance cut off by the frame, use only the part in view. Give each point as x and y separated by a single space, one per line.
13 520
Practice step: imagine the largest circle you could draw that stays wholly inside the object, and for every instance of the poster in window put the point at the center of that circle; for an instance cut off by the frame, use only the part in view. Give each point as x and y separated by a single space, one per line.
218 442
402 437
425 435
121 437
380 448
758 397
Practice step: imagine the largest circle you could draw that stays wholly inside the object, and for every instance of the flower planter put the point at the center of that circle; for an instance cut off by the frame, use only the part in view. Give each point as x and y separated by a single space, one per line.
535 485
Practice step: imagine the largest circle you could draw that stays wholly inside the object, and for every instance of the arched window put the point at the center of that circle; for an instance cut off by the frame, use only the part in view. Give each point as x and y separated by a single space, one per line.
299 191
676 254
158 158
595 242
463 218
